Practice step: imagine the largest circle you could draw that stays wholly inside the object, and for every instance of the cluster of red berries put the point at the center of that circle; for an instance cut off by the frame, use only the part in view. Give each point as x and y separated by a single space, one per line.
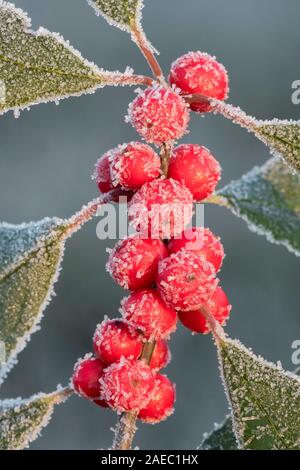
168 276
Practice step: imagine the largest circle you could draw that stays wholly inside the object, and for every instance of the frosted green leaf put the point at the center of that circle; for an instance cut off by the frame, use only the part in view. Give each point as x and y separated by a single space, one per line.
21 421
124 14
283 138
268 198
40 66
221 438
30 257
265 400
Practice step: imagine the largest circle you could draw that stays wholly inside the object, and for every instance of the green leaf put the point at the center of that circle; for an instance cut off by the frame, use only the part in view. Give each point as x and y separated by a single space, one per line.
283 138
265 400
124 14
268 198
40 66
30 257
221 438
21 421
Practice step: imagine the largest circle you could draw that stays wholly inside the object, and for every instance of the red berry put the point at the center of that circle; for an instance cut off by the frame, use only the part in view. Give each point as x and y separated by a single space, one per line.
133 262
102 173
133 165
202 242
161 404
146 311
161 355
159 115
128 385
218 305
114 339
195 167
161 208
198 72
86 376
185 280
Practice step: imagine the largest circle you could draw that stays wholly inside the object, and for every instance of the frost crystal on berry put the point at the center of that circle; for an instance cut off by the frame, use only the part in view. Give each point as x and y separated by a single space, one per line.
161 208
186 280
161 405
159 115
146 311
127 385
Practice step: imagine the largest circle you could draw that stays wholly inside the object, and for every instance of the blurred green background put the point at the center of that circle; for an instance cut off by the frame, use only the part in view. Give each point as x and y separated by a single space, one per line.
47 157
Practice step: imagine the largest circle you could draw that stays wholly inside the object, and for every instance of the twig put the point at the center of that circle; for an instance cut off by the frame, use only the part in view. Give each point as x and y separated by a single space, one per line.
126 427
124 79
165 154
141 41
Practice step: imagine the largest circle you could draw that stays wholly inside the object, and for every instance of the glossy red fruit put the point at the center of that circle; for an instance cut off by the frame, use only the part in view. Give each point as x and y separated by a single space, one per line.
146 311
114 339
102 173
86 376
161 355
128 385
200 73
185 280
133 165
159 115
161 404
202 242
161 208
133 262
196 168
218 305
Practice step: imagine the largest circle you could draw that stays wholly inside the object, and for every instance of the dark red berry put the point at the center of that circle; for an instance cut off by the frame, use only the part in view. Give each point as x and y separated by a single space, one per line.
161 355
200 241
114 339
133 262
185 280
102 173
161 208
200 73
128 385
159 115
86 376
196 168
161 404
146 311
218 305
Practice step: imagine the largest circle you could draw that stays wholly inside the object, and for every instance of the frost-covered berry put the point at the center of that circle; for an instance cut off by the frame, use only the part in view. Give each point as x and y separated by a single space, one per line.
195 167
114 339
86 376
133 262
161 404
161 355
198 72
159 115
102 173
133 165
200 241
185 280
218 305
128 385
146 311
161 208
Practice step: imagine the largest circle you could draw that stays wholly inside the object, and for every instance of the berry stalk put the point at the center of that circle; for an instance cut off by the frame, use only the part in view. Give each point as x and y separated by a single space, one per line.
140 40
126 427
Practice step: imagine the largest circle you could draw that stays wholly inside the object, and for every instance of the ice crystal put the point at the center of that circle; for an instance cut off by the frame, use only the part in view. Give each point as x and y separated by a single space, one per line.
123 14
268 198
30 257
221 438
265 400
37 67
21 421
